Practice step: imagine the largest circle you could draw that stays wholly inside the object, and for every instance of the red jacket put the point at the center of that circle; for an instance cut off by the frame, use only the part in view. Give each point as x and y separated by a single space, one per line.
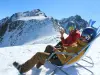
73 36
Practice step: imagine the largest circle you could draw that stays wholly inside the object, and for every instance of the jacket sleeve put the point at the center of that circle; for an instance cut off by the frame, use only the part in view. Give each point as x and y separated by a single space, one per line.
78 35
62 40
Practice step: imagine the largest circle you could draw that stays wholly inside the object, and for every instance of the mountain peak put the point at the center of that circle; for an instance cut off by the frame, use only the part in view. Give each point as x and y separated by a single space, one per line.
33 13
77 20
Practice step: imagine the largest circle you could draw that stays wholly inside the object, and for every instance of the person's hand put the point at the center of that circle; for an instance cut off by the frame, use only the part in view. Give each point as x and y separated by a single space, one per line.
74 45
62 31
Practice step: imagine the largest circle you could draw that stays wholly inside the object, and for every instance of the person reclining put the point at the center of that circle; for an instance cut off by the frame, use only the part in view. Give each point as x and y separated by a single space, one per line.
88 34
73 32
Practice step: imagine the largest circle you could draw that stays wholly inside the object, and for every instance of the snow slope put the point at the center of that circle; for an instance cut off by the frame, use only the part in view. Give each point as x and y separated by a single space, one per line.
22 53
28 29
32 17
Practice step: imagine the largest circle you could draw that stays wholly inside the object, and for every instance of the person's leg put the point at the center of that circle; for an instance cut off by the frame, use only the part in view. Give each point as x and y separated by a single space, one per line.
48 49
38 65
38 57
56 62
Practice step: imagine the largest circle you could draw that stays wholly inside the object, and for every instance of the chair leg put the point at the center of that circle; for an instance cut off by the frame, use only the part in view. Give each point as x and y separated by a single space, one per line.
92 63
60 68
54 71
85 68
79 65
63 71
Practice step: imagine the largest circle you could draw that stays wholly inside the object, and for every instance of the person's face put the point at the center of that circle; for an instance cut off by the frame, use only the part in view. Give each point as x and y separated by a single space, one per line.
71 29
85 37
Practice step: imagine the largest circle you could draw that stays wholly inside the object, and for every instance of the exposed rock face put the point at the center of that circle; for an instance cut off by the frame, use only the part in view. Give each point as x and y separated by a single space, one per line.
77 20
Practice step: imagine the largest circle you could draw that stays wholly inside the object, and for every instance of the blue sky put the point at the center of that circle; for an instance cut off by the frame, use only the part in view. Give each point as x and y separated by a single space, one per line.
87 9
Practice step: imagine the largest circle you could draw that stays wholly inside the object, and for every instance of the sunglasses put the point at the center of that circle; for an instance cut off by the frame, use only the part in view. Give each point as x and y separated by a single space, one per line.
86 36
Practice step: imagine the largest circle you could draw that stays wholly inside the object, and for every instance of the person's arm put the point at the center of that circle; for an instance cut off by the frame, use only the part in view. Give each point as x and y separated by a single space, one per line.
62 37
78 34
65 44
62 40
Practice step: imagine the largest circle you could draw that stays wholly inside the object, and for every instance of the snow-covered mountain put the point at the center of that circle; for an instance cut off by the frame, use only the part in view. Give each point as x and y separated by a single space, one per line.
30 26
27 27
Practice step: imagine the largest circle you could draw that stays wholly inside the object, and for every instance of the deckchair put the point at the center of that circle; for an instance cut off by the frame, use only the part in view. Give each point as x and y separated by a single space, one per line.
75 57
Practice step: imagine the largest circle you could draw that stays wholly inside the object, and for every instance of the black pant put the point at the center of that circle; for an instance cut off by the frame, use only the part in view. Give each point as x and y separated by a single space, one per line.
55 59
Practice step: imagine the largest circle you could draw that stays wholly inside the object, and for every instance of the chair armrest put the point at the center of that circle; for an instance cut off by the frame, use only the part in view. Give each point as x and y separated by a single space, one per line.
66 53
